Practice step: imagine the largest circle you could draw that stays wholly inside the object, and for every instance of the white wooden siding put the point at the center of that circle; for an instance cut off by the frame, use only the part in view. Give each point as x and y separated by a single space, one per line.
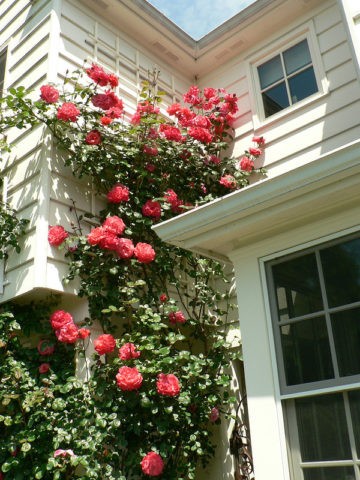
301 134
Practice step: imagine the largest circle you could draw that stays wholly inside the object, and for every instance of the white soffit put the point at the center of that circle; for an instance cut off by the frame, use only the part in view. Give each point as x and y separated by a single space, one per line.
326 185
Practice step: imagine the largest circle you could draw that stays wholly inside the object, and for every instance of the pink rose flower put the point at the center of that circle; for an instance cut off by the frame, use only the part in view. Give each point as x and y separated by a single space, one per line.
119 193
151 209
45 347
107 100
228 181
63 453
68 112
168 385
255 151
60 318
83 333
171 133
96 235
98 75
129 378
144 252
246 164
49 94
201 134
104 344
152 464
57 235
93 138
109 241
44 367
68 333
153 151
113 80
125 248
176 317
192 96
259 140
128 352
214 414
114 225
105 120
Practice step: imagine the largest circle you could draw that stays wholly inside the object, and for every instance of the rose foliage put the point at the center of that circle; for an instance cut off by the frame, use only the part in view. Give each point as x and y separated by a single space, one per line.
159 374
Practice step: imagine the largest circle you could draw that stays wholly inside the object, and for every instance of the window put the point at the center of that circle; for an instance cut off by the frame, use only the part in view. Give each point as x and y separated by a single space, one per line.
287 78
315 298
2 70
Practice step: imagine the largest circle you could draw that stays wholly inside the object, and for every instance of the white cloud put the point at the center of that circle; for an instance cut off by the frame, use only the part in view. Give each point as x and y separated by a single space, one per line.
198 17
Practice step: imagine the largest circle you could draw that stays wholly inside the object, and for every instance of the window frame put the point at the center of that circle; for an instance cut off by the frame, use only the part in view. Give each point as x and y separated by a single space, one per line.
285 397
3 56
306 32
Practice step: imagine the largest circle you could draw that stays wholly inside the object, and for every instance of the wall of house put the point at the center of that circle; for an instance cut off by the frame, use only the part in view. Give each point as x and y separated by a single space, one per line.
45 39
314 126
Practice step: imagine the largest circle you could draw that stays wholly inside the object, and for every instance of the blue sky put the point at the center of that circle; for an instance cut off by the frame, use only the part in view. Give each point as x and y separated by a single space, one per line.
199 17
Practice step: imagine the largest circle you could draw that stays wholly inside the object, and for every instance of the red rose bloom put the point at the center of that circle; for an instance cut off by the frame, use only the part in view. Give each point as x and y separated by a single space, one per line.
125 248
98 75
49 94
117 111
168 385
171 133
192 96
56 235
83 333
68 333
45 347
60 318
128 351
152 464
106 100
228 181
114 225
201 134
96 235
259 140
109 241
144 252
163 298
119 193
153 151
113 80
214 414
104 344
105 120
93 138
152 209
255 151
177 317
174 109
201 121
68 112
44 367
129 378
150 167
246 164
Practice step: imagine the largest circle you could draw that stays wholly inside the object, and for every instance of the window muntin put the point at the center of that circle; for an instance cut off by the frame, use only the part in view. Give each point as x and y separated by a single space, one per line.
315 299
316 312
287 78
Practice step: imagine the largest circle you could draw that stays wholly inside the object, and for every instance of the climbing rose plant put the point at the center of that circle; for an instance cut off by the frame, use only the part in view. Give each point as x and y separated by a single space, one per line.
159 375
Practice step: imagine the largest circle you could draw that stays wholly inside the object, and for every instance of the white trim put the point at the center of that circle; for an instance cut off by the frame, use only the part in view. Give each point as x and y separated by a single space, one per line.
306 31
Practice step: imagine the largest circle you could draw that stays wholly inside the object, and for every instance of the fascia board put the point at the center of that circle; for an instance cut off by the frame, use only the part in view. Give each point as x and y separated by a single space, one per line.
269 206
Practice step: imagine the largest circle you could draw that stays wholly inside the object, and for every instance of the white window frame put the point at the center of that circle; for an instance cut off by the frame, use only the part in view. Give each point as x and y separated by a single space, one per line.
280 398
306 32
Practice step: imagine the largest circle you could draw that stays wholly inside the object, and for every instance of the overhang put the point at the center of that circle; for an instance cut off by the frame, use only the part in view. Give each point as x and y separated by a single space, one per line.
328 184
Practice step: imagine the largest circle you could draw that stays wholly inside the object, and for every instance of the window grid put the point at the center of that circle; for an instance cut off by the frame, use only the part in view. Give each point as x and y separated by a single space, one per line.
286 78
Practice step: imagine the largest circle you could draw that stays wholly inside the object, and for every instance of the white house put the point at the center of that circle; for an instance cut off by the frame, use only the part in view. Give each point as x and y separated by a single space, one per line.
293 237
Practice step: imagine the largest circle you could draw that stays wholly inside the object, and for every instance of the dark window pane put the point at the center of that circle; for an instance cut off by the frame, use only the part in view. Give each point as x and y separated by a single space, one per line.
297 287
322 429
346 328
297 57
329 473
270 72
275 99
354 399
302 85
341 266
306 351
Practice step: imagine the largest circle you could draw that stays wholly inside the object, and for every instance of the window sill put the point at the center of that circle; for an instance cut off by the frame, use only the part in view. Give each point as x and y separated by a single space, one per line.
287 112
